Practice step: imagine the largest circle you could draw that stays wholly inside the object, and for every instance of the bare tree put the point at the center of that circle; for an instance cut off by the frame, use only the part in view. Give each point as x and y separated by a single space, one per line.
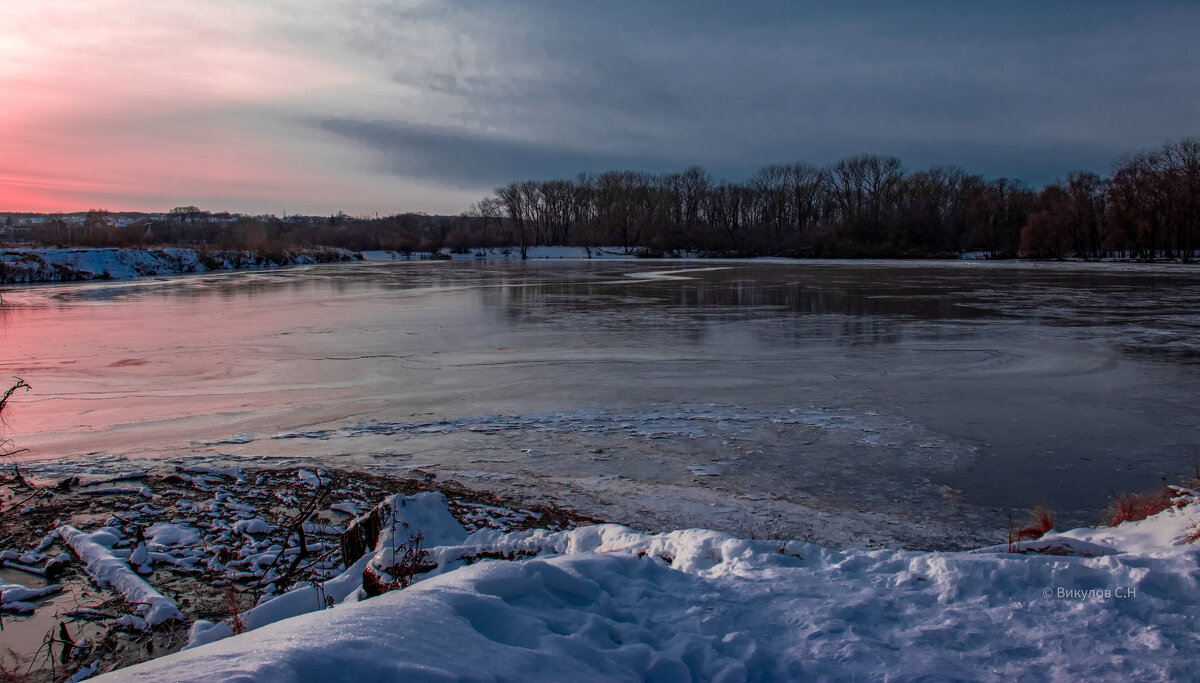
516 198
1048 232
1087 191
6 448
695 183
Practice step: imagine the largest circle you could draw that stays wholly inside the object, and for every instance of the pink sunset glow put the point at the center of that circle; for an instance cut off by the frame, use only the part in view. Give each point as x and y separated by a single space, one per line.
385 106
136 106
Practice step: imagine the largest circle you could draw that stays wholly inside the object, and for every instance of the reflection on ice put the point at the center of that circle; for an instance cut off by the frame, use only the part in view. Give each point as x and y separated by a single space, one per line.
936 392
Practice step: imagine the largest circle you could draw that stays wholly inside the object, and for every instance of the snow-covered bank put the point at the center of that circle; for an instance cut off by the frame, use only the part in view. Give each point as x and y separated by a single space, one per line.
606 602
62 265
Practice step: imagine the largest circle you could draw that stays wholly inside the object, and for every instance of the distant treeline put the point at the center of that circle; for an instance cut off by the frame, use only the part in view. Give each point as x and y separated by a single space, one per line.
266 235
862 206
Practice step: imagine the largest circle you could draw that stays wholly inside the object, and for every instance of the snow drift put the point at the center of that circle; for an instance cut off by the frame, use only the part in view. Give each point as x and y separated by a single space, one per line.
607 602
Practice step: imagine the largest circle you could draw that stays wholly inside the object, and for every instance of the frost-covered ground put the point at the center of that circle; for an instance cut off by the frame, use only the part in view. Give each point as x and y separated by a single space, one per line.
605 602
61 265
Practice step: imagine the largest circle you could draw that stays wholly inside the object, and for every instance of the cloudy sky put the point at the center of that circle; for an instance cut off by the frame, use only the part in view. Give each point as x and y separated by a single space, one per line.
364 106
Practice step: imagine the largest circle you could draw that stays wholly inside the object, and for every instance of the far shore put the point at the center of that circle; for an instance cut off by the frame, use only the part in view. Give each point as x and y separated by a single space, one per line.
24 265
35 265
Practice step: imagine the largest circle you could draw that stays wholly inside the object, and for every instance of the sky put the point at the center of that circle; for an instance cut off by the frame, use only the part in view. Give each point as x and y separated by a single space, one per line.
366 106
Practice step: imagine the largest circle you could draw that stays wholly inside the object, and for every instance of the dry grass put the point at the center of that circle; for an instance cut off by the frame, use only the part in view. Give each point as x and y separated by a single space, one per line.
231 603
1041 523
410 560
1133 507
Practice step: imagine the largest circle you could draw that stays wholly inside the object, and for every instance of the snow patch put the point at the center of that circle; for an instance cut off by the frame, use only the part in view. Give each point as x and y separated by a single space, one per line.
94 550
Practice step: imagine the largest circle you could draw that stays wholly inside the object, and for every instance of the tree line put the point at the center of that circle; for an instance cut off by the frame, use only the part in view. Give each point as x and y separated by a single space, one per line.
266 234
862 206
1149 208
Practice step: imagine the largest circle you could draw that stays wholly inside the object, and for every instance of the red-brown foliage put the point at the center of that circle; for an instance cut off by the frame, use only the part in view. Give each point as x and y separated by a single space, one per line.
231 603
1042 522
1133 507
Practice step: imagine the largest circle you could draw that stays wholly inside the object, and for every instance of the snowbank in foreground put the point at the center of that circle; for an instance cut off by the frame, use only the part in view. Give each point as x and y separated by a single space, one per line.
608 603
59 265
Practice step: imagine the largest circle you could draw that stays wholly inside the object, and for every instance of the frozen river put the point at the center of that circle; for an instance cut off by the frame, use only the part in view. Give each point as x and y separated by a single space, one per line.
859 402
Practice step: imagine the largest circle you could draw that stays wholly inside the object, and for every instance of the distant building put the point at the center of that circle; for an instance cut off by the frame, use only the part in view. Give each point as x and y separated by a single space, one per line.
17 232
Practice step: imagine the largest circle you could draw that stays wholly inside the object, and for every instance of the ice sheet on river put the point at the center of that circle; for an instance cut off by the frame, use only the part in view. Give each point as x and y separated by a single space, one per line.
720 421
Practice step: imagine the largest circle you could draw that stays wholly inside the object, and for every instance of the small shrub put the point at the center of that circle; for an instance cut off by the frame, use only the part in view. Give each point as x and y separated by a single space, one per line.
1133 507
409 559
208 260
231 603
1041 523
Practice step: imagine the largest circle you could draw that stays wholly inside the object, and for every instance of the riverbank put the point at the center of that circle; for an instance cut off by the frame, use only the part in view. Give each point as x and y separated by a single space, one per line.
128 561
28 266
255 563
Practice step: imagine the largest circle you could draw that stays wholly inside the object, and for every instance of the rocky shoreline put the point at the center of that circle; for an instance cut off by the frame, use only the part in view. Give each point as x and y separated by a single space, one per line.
212 541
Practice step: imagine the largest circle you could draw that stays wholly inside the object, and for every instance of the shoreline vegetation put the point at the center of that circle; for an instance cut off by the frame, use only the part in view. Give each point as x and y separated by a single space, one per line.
865 206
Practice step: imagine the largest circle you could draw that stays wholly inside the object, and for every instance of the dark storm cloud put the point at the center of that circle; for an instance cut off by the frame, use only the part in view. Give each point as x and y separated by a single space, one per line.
463 160
1015 89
